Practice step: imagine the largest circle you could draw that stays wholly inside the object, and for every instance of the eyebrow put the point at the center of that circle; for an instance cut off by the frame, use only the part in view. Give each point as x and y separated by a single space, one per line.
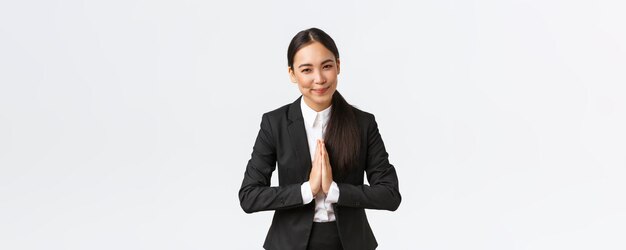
308 64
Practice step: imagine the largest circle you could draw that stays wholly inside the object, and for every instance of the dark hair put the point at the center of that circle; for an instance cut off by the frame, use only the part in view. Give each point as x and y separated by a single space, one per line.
342 137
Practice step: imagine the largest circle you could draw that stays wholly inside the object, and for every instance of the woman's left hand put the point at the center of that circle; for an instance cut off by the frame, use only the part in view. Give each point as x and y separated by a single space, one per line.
327 171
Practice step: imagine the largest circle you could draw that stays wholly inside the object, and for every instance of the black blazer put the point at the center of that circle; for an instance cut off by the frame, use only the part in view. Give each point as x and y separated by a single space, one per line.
282 138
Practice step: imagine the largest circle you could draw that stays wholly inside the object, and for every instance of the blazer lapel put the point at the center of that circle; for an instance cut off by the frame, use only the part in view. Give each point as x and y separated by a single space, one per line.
297 135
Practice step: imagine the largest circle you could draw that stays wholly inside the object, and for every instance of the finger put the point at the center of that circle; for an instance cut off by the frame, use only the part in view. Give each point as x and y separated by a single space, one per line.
317 152
320 164
325 152
323 165
326 157
317 146
321 146
322 161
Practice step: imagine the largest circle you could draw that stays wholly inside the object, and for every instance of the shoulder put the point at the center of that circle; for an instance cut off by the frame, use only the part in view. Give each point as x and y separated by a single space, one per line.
278 113
363 117
280 118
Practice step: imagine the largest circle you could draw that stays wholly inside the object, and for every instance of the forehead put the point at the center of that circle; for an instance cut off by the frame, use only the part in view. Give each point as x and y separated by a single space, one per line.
313 53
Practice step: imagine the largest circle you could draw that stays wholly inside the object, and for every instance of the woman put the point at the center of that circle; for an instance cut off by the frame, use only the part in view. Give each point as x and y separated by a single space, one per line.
323 146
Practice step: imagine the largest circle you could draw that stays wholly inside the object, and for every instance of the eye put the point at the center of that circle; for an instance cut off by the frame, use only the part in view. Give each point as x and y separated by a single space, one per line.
306 70
328 66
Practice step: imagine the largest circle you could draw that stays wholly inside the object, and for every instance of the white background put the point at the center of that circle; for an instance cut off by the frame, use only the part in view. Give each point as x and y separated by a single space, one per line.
128 124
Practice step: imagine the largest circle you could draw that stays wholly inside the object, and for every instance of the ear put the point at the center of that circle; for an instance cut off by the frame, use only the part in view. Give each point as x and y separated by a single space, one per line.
338 68
292 75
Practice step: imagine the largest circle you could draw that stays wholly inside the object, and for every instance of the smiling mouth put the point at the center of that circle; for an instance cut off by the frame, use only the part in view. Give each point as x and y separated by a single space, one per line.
320 91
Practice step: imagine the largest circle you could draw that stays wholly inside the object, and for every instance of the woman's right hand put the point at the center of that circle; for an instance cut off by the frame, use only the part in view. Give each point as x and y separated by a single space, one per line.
315 178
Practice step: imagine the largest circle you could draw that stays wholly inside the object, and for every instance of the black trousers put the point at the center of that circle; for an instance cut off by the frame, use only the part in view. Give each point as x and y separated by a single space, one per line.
324 236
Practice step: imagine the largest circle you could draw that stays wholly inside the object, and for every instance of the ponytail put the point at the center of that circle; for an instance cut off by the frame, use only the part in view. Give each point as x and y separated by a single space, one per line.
342 137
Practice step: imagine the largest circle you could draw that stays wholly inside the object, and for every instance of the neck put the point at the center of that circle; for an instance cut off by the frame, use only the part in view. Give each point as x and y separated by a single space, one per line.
316 106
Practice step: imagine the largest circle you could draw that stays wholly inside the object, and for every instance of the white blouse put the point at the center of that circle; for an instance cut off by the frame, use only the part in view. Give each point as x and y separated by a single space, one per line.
315 125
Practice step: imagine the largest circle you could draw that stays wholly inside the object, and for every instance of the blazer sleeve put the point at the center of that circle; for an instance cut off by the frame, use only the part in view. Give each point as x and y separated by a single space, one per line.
383 192
255 193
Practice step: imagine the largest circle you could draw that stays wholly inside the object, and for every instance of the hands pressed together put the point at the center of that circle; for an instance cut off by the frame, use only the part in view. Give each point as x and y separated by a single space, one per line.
321 172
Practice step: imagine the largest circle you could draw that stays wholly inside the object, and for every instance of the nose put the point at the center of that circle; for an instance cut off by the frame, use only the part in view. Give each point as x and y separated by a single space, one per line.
319 78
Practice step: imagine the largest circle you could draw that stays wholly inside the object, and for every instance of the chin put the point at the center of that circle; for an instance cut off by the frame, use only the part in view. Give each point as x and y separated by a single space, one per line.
320 99
325 97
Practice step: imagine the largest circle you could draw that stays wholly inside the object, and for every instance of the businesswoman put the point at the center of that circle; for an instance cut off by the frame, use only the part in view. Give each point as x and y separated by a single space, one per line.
322 146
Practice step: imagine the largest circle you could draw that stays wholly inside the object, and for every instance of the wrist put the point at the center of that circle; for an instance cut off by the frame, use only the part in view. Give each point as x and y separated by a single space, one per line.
314 190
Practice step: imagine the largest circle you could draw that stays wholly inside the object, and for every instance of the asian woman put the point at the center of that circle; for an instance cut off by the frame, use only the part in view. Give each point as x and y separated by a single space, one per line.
322 147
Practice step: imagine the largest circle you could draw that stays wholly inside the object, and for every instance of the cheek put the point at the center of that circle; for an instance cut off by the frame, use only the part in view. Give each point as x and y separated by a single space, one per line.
331 73
331 76
303 82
